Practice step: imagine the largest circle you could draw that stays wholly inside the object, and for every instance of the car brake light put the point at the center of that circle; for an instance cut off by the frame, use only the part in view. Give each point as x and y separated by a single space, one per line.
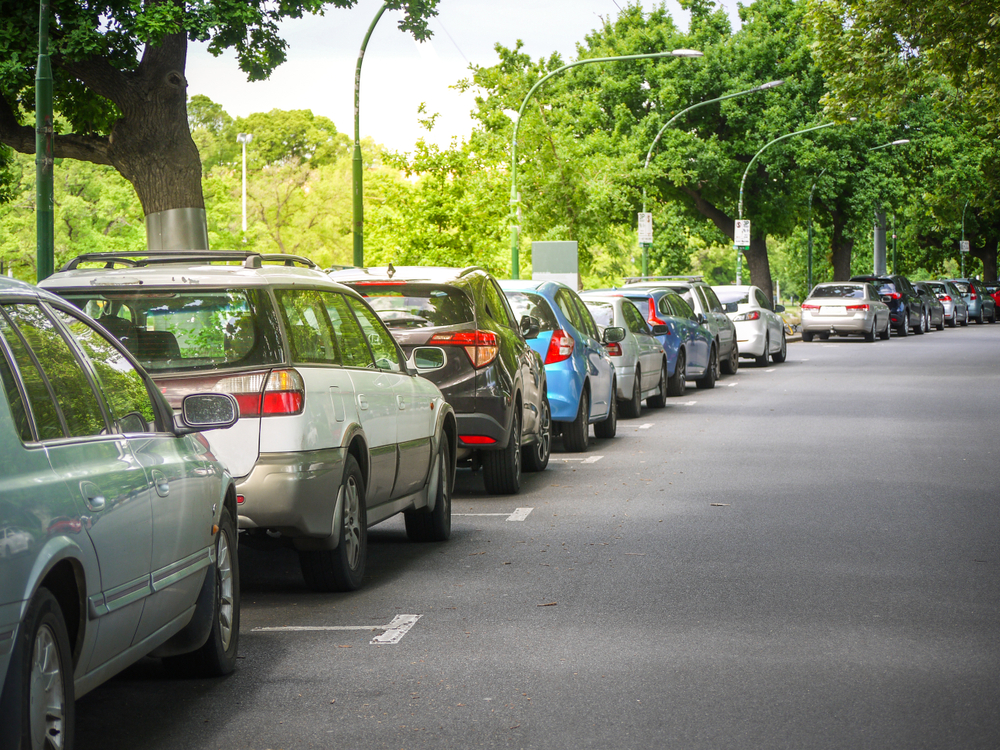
752 315
972 294
944 297
894 295
810 307
263 394
653 318
476 439
482 347
560 347
858 307
378 283
614 349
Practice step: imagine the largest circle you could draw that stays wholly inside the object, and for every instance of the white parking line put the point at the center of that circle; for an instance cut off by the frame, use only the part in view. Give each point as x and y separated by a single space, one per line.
393 632
520 514
645 426
732 384
588 460
592 459
689 403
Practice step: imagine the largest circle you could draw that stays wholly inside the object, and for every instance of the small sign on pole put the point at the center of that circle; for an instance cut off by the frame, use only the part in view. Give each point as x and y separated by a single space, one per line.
963 246
645 228
741 235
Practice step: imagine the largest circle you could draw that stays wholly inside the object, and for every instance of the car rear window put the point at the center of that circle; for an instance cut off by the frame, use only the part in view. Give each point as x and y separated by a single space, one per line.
963 286
739 296
603 312
418 305
189 330
529 303
847 291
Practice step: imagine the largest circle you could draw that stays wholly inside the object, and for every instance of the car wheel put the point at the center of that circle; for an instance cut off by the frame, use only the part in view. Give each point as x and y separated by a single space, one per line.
807 336
217 656
965 320
764 359
43 665
712 372
824 337
678 383
660 399
576 434
979 318
435 525
782 354
904 330
343 568
608 428
921 327
536 455
502 468
632 408
732 365
886 332
953 320
870 335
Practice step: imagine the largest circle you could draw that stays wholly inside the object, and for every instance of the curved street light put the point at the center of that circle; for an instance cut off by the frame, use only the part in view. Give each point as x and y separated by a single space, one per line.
649 154
514 261
878 233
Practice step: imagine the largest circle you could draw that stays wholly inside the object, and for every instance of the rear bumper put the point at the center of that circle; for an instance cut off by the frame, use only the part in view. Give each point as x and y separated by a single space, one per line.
564 386
292 492
857 323
750 339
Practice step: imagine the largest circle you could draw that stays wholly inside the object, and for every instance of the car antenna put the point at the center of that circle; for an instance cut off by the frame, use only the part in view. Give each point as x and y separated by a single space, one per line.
390 271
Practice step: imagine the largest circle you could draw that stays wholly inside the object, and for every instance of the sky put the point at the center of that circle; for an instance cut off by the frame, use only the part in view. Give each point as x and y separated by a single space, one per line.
398 73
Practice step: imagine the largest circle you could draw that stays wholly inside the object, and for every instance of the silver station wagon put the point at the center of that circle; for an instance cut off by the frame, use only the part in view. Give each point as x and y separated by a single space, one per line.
118 524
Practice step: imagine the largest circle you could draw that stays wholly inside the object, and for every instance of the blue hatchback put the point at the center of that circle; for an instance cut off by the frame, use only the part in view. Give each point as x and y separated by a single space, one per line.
576 361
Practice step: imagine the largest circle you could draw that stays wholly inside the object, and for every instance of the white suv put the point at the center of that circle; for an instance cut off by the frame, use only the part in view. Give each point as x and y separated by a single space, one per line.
337 430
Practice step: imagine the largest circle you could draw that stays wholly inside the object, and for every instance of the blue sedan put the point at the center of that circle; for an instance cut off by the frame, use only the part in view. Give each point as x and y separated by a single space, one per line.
579 372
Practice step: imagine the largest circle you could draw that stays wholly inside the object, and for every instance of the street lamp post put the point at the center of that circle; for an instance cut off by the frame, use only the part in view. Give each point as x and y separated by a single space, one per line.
649 154
244 139
514 199
878 234
44 161
809 256
961 253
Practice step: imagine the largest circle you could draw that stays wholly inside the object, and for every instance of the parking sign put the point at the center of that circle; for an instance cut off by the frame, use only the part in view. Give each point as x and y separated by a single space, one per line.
741 235
646 228
963 246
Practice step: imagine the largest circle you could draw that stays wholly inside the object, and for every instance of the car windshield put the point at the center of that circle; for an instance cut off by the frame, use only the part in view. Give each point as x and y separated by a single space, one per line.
529 303
603 312
848 291
189 330
417 305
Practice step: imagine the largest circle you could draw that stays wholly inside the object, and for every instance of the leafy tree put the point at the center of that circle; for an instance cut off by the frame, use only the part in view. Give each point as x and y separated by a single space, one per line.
120 80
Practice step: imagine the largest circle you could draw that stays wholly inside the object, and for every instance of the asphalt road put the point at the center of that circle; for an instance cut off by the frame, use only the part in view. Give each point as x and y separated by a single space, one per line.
807 556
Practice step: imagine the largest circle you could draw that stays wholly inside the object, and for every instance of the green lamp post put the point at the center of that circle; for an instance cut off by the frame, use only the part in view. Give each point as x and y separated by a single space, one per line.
44 159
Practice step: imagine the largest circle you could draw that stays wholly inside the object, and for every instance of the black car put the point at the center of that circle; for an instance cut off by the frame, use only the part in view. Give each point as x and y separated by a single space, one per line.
906 308
494 380
933 307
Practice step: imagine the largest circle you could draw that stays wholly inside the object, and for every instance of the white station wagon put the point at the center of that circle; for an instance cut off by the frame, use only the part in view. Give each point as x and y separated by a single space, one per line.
337 431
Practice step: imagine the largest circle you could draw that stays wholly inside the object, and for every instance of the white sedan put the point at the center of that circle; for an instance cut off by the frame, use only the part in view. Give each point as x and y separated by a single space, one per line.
760 330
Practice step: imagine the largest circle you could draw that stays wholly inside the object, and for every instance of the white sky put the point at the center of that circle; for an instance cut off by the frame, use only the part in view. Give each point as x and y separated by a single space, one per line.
398 73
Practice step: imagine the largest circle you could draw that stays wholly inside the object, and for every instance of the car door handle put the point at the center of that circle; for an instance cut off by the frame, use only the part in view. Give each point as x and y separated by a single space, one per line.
93 496
160 483
362 402
400 402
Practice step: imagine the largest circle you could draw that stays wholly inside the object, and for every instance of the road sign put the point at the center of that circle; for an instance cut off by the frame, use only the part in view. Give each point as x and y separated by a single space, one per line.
963 246
645 228
741 236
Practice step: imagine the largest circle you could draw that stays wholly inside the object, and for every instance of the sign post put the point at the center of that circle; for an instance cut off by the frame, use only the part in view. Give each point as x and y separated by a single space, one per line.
741 241
645 222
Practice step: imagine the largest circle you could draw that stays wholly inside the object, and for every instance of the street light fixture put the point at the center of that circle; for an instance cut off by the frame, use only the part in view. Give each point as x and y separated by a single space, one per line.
649 154
878 233
514 198
244 139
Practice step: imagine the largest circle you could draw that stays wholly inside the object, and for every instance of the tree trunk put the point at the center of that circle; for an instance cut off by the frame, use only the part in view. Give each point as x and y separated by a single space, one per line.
988 254
841 249
759 266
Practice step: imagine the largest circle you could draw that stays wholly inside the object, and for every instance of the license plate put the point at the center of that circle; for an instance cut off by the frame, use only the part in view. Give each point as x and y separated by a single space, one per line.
832 311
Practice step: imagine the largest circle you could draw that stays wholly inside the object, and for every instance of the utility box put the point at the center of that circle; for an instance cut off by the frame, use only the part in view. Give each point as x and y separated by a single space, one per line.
556 261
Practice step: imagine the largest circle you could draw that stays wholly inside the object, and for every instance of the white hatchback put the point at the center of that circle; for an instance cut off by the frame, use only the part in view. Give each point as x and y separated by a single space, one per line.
337 431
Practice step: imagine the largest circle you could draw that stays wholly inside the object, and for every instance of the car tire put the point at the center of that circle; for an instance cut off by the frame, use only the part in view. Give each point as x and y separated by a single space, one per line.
904 330
940 326
41 668
424 525
217 657
807 336
536 456
922 325
660 399
608 428
764 359
965 320
886 332
343 568
870 335
711 372
502 468
979 318
953 321
677 384
824 337
732 365
576 434
782 354
632 408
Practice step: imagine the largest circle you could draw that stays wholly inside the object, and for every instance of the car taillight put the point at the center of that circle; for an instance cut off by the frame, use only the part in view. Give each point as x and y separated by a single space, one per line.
810 307
752 315
944 297
476 439
894 295
858 307
266 394
560 347
654 319
972 294
482 347
614 349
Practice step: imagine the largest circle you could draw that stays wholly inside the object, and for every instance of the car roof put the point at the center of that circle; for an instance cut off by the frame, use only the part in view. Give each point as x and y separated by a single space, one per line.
527 285
440 274
14 288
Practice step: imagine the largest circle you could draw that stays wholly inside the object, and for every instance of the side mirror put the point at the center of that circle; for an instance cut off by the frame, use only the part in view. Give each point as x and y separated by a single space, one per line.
530 326
207 411
613 334
779 308
426 359
660 329
700 317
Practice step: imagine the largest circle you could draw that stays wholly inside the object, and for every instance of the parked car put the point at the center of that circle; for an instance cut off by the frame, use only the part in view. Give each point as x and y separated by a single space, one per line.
982 308
844 308
337 432
992 288
760 330
118 523
956 310
579 373
906 308
494 380
687 343
708 309
933 307
640 362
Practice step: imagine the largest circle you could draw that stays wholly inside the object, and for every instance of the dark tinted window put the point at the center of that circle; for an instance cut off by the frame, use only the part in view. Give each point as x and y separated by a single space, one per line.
529 303
383 345
680 306
633 319
496 305
418 305
564 299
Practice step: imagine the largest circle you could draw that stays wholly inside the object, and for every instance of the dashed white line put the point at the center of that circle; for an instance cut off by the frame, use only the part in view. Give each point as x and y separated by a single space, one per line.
520 514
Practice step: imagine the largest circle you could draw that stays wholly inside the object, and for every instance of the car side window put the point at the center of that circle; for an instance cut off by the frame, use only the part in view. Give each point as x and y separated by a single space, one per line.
663 306
124 388
15 399
51 372
762 300
693 300
565 302
354 349
711 301
589 326
496 306
310 334
633 319
387 355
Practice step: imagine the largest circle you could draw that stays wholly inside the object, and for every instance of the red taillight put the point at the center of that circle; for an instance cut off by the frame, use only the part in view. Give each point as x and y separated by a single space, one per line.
614 350
972 294
560 347
653 318
262 394
482 347
944 297
476 439
810 307
858 307
894 295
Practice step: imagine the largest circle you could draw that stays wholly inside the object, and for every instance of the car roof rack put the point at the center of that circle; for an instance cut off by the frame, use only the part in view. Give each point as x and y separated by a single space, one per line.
145 258
633 279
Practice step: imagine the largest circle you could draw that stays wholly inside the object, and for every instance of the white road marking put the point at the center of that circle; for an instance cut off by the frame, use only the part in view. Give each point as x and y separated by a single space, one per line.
645 426
592 459
520 514
689 403
589 460
393 632
730 385
399 627
771 370
480 514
